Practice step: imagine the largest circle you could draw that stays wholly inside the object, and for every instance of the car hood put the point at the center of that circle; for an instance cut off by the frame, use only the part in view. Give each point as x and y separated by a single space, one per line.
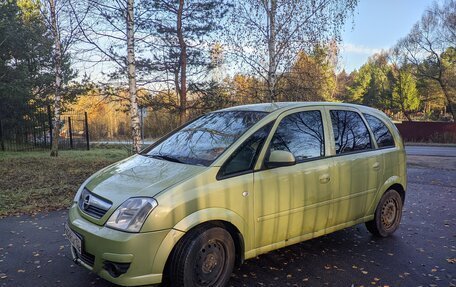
139 176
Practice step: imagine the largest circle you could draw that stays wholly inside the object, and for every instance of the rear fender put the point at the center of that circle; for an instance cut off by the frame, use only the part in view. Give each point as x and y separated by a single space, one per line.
388 183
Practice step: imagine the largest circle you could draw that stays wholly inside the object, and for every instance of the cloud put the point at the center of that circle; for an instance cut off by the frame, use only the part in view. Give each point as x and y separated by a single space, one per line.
359 49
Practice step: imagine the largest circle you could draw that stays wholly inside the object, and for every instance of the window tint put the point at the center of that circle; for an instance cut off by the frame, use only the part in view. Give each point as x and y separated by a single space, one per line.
244 158
301 134
381 133
350 132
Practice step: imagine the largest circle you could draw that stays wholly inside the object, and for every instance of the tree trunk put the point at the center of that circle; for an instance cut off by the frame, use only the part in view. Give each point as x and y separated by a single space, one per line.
183 66
404 111
451 107
58 79
131 70
272 68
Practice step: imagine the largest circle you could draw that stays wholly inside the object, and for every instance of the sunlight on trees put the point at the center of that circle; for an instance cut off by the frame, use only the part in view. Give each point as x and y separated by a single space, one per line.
160 63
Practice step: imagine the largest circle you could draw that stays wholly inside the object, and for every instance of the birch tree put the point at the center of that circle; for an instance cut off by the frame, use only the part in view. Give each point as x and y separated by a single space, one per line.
61 25
131 70
58 77
108 36
267 35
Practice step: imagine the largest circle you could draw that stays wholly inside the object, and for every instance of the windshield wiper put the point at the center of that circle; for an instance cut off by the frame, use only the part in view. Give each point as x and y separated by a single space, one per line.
165 157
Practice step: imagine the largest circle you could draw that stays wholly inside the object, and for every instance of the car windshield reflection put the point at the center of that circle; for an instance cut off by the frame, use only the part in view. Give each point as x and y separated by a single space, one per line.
203 140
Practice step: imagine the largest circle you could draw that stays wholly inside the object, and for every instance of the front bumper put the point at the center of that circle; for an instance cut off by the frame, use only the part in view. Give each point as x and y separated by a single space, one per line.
136 252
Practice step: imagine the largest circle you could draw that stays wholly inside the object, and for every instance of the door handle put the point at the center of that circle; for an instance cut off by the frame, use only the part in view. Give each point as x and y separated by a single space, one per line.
324 178
376 166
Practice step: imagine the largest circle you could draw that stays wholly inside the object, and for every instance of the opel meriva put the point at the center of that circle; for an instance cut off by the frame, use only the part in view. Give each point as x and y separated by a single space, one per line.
236 183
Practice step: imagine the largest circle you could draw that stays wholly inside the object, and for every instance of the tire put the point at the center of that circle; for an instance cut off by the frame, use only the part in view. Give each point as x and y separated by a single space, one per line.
204 257
387 215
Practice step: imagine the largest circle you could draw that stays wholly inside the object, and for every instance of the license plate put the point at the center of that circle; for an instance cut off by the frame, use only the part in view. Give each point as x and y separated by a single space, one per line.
75 241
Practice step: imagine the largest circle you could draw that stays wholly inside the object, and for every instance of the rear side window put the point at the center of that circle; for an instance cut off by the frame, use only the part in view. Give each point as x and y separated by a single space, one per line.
381 132
301 134
350 132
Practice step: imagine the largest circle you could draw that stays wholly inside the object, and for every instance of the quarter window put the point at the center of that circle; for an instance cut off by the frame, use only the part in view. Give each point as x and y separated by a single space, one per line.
244 158
381 133
301 134
350 132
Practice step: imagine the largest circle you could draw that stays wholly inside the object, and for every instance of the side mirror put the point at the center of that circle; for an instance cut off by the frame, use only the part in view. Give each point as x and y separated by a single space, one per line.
280 158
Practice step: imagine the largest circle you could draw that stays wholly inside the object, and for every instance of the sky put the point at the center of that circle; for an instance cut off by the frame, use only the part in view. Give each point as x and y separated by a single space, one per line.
377 25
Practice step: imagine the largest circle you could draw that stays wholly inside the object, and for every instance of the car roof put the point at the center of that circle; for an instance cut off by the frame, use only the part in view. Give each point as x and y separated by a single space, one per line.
272 107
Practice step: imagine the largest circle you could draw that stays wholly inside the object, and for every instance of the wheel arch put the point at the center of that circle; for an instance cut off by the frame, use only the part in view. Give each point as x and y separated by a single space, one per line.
395 182
205 218
400 189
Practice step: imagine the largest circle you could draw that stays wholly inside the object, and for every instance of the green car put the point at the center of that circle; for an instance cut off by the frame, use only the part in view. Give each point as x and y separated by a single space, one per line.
236 183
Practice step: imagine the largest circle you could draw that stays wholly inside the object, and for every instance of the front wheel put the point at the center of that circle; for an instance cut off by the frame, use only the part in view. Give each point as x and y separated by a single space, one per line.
387 214
204 257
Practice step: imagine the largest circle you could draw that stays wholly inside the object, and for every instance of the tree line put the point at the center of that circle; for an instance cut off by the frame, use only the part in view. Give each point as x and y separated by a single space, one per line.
182 58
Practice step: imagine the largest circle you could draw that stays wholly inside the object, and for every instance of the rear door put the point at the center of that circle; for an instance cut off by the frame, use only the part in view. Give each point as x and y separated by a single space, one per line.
358 165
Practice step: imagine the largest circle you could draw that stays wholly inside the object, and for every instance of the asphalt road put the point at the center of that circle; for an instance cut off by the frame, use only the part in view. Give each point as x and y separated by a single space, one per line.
443 151
34 252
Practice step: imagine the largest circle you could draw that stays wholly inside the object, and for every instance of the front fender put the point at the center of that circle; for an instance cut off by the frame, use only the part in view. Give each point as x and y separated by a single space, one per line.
211 214
191 221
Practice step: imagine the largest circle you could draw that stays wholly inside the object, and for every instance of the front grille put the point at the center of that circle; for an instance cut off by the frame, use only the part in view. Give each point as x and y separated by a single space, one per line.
95 211
93 205
85 257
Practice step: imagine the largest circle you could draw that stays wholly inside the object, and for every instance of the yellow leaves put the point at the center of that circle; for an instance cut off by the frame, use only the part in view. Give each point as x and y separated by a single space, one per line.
106 116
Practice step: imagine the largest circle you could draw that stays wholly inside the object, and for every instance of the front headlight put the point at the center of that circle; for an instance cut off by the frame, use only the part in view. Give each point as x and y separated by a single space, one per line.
131 214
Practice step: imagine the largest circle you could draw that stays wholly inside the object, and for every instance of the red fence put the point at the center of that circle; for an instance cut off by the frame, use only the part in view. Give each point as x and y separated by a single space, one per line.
438 132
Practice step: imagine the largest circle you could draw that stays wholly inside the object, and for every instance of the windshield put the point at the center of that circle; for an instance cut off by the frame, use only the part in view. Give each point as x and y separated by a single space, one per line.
203 140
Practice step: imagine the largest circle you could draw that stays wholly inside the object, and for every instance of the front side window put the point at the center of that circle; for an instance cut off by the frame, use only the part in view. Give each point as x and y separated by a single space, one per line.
203 140
381 133
244 158
301 134
350 132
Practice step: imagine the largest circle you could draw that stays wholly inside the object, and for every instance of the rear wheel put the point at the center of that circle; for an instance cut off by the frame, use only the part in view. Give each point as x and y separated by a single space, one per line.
387 214
204 257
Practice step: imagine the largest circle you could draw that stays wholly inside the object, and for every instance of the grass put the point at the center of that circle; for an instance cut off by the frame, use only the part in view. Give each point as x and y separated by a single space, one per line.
31 182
